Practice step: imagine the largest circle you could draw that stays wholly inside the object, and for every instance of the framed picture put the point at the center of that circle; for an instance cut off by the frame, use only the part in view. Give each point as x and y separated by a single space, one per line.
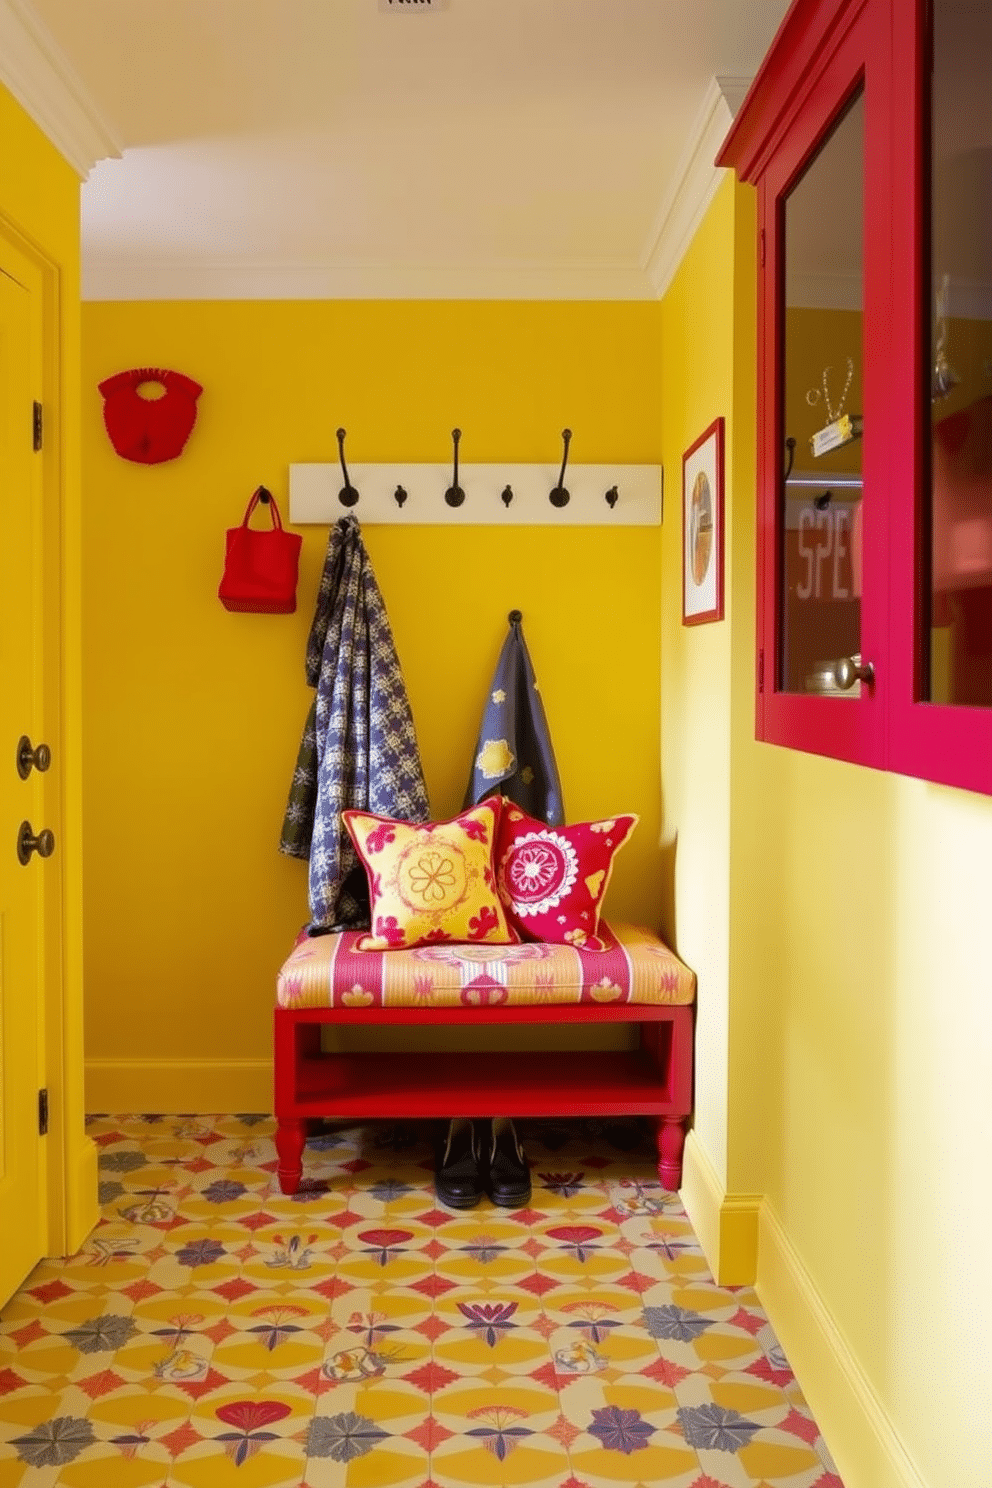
702 528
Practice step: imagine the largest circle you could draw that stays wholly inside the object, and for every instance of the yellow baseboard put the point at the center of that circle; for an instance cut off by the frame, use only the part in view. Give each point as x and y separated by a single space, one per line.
726 1225
856 1427
172 1086
82 1209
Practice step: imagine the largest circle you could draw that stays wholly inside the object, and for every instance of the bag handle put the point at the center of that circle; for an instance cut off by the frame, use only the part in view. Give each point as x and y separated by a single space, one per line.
266 496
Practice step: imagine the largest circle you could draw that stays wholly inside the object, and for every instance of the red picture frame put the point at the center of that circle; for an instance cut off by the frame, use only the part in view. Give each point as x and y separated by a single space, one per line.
702 528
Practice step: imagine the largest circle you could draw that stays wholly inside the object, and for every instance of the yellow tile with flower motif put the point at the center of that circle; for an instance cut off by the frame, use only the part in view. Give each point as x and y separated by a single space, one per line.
764 1459
122 1472
479 1468
628 1396
715 1346
217 1470
655 1465
383 1468
746 1398
146 1405
526 1400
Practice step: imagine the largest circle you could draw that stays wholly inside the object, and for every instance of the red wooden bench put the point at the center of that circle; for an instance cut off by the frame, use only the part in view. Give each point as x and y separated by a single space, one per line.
325 982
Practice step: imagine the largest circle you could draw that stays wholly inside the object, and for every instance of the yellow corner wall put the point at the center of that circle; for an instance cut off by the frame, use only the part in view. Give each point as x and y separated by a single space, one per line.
39 216
193 715
845 1020
697 350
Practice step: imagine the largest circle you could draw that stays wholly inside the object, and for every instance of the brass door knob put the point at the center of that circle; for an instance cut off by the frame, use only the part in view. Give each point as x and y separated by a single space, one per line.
28 843
29 759
850 669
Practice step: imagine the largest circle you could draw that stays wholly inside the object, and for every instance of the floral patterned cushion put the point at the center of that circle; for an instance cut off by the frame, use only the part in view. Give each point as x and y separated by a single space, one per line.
432 882
636 967
553 879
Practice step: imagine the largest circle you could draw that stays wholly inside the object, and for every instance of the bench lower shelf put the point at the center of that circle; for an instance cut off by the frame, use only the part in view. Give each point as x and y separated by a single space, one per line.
653 1080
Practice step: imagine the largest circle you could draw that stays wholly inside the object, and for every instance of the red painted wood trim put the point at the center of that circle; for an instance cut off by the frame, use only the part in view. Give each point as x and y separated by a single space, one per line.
654 1080
803 46
844 728
950 745
543 1012
822 48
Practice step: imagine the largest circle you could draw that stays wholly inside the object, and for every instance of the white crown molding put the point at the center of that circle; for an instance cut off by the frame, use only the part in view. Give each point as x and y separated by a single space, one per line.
36 71
694 183
132 279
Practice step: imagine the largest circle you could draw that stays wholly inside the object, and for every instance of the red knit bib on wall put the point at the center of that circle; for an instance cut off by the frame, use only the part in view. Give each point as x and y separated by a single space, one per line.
149 430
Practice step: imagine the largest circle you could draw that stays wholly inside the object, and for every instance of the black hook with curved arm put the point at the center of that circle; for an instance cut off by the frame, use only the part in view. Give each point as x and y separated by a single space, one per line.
454 495
560 496
347 496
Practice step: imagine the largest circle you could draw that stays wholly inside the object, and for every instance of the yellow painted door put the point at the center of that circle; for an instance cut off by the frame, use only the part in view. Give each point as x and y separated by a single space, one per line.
22 1186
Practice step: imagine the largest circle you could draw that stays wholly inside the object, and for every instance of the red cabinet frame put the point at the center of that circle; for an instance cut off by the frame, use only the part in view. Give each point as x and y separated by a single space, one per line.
825 50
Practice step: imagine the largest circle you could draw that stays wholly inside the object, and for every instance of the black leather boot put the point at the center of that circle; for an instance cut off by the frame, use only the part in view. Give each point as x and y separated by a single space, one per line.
509 1173
458 1174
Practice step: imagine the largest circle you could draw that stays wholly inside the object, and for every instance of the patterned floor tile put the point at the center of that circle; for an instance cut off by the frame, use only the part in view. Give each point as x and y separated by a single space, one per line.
213 1331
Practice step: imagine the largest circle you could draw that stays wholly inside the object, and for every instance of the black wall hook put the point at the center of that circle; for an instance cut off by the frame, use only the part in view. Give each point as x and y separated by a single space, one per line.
399 496
347 496
264 495
559 496
454 495
506 495
612 497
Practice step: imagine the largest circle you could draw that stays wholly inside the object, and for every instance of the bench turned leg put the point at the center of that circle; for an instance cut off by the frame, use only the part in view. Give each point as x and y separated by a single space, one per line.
291 1138
671 1140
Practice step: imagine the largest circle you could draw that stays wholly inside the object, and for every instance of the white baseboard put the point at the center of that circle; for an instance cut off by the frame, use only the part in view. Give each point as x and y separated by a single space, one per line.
866 1447
172 1086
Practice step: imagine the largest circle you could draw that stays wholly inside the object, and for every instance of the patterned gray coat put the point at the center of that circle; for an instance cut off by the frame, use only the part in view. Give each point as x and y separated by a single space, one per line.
359 747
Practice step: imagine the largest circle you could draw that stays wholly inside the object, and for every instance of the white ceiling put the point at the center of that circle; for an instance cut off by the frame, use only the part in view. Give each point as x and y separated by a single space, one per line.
484 148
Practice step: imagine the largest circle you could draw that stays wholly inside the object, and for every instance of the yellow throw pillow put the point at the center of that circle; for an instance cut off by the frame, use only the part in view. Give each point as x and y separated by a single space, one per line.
433 882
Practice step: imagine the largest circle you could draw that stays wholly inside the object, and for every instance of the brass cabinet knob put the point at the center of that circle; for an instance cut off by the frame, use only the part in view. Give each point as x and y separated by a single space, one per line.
28 843
850 669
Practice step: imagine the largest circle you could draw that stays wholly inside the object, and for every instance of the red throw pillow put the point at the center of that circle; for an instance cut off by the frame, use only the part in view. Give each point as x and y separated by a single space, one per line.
553 879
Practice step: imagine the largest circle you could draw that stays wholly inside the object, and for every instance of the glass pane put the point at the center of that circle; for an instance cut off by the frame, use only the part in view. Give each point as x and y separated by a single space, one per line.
820 580
961 356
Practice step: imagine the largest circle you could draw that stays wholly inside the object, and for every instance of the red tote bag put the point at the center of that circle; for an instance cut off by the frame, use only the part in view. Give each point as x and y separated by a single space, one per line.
262 564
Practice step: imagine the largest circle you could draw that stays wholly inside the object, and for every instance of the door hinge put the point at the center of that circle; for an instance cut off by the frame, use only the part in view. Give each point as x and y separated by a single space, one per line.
761 247
761 669
37 425
42 1113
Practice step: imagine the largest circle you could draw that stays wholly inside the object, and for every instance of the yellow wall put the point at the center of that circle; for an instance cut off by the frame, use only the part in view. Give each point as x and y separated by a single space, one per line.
39 215
847 1123
193 715
697 350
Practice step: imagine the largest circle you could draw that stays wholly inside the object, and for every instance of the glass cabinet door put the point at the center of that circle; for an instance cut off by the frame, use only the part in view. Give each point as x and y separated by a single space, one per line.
868 134
822 278
960 485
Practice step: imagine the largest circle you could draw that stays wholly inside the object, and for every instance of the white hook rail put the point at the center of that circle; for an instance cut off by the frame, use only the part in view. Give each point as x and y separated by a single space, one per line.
495 495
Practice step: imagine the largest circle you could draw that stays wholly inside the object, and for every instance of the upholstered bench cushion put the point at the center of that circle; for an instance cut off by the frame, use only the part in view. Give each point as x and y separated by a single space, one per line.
636 967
